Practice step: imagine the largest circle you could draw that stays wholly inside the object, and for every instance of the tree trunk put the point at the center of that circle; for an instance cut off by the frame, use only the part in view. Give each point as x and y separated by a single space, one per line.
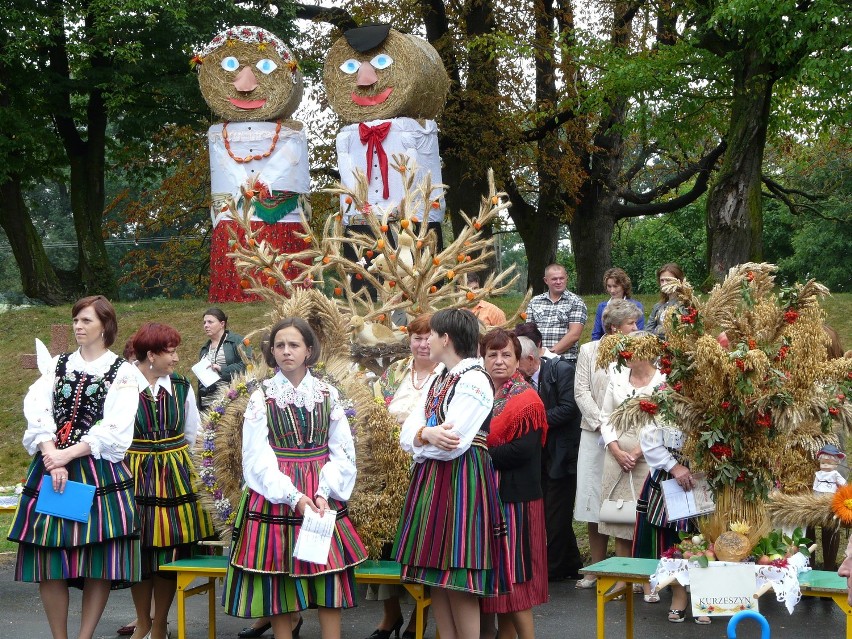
591 237
734 207
38 278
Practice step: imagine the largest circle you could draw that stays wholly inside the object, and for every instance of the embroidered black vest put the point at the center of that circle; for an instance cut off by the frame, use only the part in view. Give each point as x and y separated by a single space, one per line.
87 392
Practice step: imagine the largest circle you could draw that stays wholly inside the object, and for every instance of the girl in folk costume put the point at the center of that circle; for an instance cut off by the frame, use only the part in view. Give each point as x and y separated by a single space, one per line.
451 534
298 454
79 425
518 431
172 519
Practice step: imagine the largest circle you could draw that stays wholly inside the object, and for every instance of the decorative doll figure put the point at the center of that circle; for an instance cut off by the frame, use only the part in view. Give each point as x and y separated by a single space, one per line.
258 158
828 479
388 86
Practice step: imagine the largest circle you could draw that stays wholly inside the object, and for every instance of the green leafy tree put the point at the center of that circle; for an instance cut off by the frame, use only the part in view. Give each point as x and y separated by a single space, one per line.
95 77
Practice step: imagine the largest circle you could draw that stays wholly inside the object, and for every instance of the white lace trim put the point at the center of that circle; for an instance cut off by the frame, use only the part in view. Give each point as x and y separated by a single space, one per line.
307 395
784 581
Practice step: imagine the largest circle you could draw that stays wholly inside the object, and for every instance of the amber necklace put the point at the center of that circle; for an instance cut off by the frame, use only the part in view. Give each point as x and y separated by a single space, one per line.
249 158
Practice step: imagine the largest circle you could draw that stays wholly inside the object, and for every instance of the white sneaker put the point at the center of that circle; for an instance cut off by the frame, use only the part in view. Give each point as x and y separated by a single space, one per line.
585 583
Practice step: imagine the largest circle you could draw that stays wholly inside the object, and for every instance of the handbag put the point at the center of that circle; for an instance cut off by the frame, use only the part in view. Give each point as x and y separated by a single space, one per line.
619 511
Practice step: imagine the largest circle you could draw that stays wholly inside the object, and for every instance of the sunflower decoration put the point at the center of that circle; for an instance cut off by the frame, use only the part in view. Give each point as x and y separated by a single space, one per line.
754 410
841 505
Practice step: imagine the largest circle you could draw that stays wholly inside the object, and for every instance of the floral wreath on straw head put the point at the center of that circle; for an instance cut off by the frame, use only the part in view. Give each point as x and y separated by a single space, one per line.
248 35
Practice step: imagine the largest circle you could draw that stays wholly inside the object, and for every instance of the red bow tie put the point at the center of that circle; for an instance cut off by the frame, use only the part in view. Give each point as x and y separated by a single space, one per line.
373 136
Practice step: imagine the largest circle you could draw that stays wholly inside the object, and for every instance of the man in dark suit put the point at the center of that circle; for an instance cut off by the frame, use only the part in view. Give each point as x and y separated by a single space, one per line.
559 466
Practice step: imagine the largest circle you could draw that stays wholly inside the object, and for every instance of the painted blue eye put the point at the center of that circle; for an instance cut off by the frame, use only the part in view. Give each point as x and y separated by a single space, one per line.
381 61
350 66
266 66
230 63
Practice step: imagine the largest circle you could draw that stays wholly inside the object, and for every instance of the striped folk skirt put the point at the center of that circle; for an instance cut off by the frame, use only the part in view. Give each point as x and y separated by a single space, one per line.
452 532
172 518
654 532
263 577
105 547
528 552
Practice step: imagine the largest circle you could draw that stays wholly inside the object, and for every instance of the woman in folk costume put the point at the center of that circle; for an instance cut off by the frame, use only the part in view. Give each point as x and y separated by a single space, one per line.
518 432
79 425
452 535
298 454
172 519
258 156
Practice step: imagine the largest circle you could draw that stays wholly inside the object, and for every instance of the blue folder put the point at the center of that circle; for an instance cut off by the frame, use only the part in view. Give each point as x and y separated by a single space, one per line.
75 503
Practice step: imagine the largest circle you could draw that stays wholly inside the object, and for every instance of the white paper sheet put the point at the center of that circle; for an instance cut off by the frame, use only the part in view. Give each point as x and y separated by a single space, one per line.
681 504
205 373
314 540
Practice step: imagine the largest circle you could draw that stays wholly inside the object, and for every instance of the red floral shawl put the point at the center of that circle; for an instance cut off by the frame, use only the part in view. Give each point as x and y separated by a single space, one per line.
517 410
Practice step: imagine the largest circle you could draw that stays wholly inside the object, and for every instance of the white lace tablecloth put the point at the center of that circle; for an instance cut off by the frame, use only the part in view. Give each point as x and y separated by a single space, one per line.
784 581
9 501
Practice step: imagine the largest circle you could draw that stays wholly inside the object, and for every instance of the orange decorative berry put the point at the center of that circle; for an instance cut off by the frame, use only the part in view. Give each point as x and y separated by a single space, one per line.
436 261
436 204
348 200
451 274
477 225
403 329
250 193
358 276
391 283
381 317
415 219
286 264
402 170
419 243
271 280
384 228
338 291
495 199
251 242
380 244
244 283
523 316
460 257
468 243
339 217
326 259
246 342
433 289
470 295
370 253
393 256
404 223
467 258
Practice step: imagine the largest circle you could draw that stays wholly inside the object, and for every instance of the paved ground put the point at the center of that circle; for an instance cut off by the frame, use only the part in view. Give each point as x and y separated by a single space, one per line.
570 614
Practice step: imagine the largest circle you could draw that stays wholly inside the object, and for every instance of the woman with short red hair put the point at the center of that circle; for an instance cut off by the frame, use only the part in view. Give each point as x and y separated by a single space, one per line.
515 441
172 519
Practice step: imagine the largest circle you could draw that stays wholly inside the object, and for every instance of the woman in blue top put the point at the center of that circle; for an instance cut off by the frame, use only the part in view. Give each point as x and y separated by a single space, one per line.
618 285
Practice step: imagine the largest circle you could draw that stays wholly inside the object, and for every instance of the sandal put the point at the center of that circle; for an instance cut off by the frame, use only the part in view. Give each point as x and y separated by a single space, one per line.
637 589
652 597
677 616
618 591
702 621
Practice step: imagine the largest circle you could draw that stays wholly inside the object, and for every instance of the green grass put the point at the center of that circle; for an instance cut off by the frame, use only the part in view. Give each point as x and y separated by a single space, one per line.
22 326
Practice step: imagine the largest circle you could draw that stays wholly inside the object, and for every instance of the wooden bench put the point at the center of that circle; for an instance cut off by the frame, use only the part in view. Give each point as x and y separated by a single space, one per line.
814 583
212 568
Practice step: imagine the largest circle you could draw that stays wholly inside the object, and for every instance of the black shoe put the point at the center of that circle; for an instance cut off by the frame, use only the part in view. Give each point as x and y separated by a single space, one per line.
385 634
252 633
411 634
298 626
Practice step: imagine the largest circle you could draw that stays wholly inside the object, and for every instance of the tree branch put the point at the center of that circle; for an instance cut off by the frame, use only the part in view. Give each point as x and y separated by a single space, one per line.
782 194
550 124
702 166
775 187
705 168
335 16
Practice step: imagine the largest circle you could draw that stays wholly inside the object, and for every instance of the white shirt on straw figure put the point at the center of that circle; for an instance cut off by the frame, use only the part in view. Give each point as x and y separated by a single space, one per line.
828 479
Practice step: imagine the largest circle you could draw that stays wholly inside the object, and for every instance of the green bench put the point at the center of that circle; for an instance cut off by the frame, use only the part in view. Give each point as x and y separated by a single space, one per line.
212 568
814 583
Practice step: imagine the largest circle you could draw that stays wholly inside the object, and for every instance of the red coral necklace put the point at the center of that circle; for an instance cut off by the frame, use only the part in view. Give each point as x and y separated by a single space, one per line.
249 158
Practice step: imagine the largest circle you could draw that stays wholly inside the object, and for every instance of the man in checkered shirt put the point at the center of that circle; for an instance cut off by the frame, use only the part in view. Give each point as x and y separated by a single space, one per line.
559 314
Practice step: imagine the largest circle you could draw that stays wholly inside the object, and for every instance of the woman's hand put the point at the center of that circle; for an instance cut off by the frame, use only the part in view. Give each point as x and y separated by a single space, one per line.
321 503
60 479
683 476
441 437
625 460
216 367
54 459
306 502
